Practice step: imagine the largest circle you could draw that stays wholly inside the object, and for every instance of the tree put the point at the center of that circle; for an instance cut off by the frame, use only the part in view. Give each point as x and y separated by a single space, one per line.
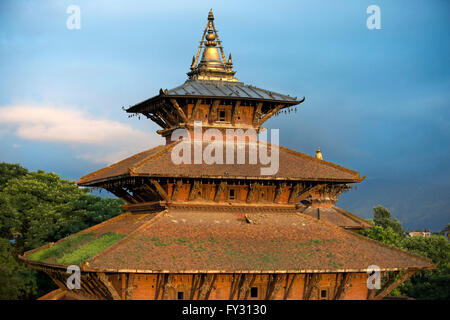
382 217
9 171
16 281
37 208
386 235
428 284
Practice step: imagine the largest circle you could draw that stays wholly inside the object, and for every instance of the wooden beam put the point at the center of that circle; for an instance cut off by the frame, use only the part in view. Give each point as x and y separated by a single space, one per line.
176 189
235 111
130 286
200 286
138 196
279 191
206 286
152 194
179 110
270 285
220 190
157 120
165 286
311 283
257 113
288 288
105 286
308 191
393 284
234 285
269 114
274 286
249 286
92 291
122 194
195 187
195 108
160 190
194 285
254 187
342 287
211 286
213 111
241 284
159 282
166 117
294 191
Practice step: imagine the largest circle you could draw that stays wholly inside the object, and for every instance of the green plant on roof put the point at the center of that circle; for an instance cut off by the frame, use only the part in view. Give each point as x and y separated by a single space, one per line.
213 240
66 246
158 242
90 249
181 241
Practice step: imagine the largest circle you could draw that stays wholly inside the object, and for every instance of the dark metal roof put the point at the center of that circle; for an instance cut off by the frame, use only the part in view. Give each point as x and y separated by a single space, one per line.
226 89
219 89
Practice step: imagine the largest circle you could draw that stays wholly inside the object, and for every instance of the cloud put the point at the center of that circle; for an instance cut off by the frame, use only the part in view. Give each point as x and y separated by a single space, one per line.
97 140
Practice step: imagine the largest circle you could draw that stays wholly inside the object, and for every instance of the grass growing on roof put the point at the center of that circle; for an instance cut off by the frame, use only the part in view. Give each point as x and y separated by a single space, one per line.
90 249
68 245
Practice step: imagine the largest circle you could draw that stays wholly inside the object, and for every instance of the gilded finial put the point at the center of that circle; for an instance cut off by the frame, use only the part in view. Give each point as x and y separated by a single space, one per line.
229 63
319 154
212 65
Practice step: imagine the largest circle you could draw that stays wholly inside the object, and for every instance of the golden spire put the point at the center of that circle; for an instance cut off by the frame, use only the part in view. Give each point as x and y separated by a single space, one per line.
212 66
319 154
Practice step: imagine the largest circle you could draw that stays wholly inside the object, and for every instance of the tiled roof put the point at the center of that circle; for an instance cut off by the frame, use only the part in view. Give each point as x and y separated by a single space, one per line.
336 216
185 240
221 89
157 162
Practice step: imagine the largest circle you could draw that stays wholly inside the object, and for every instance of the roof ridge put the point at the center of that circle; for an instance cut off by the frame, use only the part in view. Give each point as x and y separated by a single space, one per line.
328 163
353 234
352 216
270 92
154 156
93 174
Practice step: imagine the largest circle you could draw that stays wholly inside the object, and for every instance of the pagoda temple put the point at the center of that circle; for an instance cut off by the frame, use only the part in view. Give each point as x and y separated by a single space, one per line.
222 230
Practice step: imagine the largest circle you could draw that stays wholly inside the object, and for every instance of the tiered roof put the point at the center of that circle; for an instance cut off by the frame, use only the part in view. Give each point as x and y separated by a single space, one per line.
157 162
224 239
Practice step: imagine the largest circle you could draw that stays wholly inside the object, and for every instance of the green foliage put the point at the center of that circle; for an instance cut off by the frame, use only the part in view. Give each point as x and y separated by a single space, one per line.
9 171
37 208
57 250
16 281
382 217
428 284
386 235
90 249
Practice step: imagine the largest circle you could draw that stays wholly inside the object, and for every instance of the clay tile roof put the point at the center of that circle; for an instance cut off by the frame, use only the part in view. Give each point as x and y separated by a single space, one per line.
187 240
336 216
157 162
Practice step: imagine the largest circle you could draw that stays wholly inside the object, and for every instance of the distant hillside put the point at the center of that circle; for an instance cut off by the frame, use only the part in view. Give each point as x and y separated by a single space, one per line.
416 206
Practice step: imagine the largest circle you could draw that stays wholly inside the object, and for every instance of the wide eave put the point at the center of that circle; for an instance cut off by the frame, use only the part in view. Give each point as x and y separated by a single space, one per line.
157 162
208 89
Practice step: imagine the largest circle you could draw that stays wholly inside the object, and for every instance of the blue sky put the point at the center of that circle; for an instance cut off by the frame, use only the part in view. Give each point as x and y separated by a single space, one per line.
377 101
